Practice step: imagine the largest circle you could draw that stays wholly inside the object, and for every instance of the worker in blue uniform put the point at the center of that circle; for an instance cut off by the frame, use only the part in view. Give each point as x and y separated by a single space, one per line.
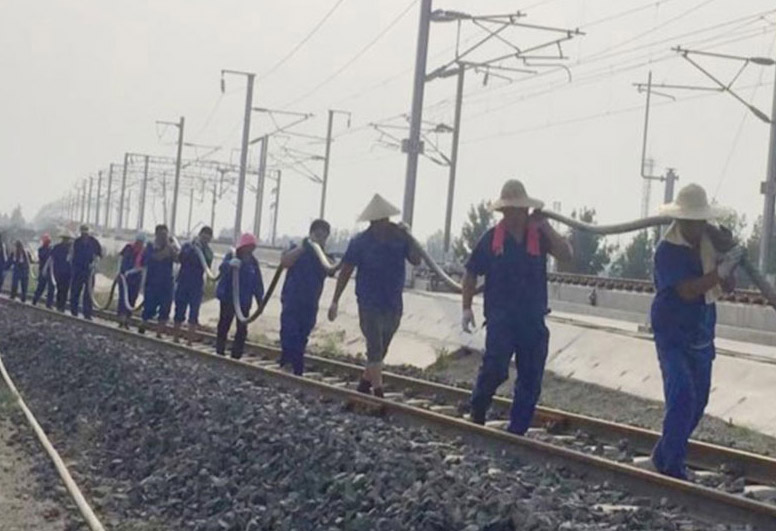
4 259
301 292
86 250
61 255
158 259
45 278
379 254
190 284
131 257
20 264
690 275
251 287
512 257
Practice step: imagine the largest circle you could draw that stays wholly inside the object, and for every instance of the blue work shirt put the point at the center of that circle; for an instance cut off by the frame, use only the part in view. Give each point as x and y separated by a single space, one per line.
20 262
251 283
191 272
59 257
515 281
85 250
381 270
158 264
44 252
304 281
676 322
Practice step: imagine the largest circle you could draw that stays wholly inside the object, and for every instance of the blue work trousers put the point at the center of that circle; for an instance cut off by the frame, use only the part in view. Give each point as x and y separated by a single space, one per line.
188 296
296 324
63 290
686 384
528 343
20 279
158 301
45 283
133 290
79 286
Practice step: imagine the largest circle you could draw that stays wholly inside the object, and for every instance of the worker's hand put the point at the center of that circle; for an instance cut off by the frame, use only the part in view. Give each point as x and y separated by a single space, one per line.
404 227
235 262
730 261
333 310
467 320
538 218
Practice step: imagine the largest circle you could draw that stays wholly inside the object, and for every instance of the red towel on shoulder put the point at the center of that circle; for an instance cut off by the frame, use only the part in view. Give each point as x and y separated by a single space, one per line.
532 239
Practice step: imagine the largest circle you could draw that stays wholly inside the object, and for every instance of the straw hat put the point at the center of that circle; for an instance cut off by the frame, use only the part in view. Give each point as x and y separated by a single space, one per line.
64 233
378 208
513 195
246 240
692 203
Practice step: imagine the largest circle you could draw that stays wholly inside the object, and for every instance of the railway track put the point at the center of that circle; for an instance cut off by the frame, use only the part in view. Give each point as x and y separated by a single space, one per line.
644 286
730 485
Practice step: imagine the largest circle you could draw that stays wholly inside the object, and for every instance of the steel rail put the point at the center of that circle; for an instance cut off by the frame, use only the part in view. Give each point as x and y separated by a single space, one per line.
706 504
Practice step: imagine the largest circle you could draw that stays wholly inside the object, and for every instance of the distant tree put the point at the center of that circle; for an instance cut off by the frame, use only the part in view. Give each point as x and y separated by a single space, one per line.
736 223
480 219
637 259
591 252
753 246
17 219
435 246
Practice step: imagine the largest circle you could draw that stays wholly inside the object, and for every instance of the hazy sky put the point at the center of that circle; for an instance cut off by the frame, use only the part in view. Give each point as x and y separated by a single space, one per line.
85 80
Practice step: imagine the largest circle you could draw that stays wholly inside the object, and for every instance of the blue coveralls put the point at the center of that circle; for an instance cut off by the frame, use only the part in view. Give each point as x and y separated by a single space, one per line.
128 259
684 337
251 286
85 250
380 275
21 274
159 282
301 293
62 273
515 307
191 282
45 282
4 260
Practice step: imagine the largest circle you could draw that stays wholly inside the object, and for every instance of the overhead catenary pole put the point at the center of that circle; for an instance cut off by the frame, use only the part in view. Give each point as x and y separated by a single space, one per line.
244 148
128 209
213 206
83 201
143 192
454 155
123 189
413 146
107 197
277 207
164 198
191 209
89 202
97 202
769 190
326 161
260 186
176 185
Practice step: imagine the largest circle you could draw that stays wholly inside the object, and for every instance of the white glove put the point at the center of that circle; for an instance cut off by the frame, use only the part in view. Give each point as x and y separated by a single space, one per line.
467 320
730 261
235 262
333 309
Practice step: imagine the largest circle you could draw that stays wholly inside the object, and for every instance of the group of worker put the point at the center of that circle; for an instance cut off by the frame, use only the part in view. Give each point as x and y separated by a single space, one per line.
694 263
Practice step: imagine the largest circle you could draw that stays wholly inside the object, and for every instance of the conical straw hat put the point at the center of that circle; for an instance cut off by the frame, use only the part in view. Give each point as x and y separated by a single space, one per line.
692 203
378 208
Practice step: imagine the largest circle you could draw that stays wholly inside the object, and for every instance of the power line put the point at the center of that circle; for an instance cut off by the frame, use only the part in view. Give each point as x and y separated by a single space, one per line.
355 58
301 43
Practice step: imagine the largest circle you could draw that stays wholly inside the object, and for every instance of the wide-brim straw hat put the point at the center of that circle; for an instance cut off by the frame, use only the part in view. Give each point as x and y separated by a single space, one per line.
692 203
513 195
378 208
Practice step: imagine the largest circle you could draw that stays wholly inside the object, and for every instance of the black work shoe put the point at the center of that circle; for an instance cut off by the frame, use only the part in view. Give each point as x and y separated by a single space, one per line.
364 386
378 392
478 419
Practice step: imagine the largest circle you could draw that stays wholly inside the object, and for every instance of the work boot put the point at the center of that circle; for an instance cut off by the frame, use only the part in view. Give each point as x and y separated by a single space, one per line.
378 391
364 386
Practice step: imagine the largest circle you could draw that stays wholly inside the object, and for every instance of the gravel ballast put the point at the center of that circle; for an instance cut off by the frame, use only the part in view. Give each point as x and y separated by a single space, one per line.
159 441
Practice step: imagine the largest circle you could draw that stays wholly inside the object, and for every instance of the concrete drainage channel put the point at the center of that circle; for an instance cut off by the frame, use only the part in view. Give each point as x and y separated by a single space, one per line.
431 407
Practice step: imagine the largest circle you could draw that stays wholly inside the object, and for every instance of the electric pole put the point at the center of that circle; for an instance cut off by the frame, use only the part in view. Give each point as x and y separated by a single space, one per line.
83 201
327 159
260 186
191 208
123 188
176 185
769 190
277 207
244 148
89 202
454 154
413 145
107 198
144 191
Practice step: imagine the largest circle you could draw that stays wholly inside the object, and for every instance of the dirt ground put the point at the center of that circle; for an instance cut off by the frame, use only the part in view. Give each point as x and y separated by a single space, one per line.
460 368
28 489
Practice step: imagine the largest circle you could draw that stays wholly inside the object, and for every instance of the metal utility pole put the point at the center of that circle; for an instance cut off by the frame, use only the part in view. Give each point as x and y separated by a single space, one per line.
89 202
454 155
83 202
244 148
213 206
191 208
327 156
107 198
97 202
260 186
277 207
123 188
769 190
180 125
144 191
164 198
413 146
128 208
